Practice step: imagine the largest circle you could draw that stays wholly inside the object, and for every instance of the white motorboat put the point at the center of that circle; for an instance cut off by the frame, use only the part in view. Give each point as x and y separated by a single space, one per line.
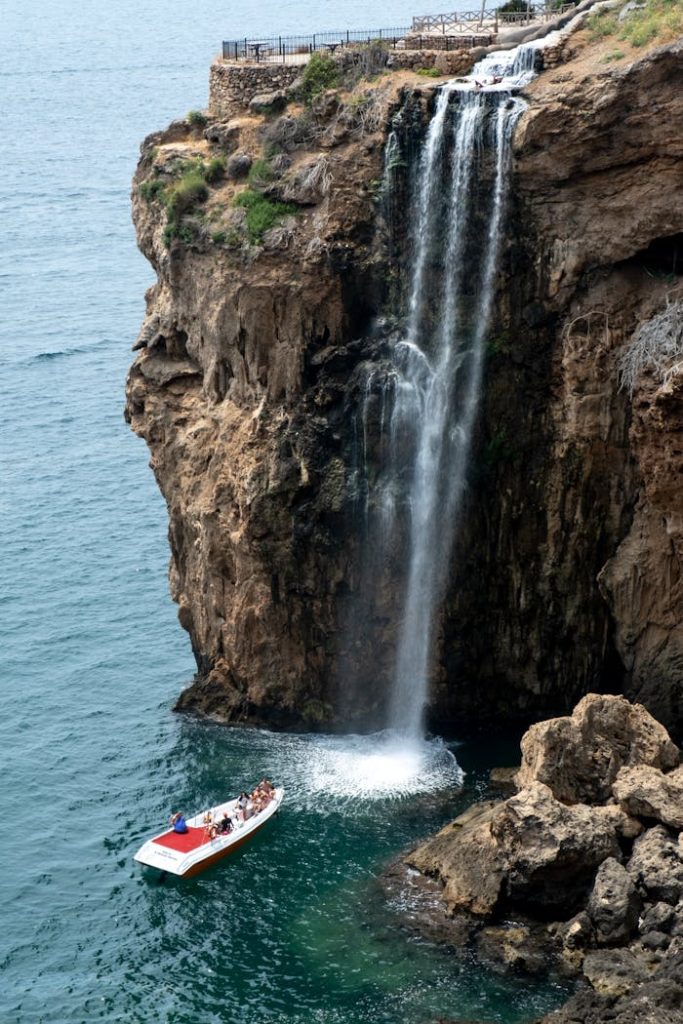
188 853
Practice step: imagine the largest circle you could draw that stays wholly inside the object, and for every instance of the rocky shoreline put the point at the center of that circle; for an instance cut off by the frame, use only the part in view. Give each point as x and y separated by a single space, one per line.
579 873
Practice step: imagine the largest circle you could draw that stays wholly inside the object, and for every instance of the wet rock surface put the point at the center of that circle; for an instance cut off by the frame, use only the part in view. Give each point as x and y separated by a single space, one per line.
535 882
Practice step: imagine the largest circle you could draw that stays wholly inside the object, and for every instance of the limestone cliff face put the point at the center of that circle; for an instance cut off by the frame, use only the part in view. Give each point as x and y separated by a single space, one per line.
566 576
577 527
240 390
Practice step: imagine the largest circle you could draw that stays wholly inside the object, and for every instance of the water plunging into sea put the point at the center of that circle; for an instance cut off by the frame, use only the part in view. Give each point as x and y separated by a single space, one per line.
431 393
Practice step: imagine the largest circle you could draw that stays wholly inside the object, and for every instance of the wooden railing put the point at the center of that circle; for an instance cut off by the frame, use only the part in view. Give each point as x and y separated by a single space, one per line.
465 21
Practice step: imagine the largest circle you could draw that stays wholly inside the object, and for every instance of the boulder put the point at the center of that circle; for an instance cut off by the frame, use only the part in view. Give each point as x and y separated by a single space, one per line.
224 134
579 756
655 940
268 102
648 793
656 865
615 972
467 859
551 850
614 904
238 166
659 917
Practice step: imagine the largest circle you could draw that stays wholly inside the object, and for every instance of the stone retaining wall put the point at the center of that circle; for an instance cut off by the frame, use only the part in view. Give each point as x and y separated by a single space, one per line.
455 62
233 86
463 42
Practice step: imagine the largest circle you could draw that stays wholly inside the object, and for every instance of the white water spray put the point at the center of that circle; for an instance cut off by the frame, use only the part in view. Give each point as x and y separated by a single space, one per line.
438 362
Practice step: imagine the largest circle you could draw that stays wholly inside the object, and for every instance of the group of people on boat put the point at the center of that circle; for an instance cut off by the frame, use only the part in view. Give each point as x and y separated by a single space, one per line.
247 805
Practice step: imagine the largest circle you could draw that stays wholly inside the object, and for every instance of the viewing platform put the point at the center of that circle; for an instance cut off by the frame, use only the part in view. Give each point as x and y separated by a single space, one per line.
458 30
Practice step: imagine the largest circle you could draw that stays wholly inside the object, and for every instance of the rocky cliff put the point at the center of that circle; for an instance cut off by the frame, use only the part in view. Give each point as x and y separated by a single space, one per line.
246 387
581 869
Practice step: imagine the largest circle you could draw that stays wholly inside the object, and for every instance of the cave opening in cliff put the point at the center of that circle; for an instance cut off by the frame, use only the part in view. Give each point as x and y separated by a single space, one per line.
663 257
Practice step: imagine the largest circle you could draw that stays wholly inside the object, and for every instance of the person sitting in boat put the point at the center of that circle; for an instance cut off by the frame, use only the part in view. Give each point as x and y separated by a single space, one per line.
178 822
225 824
267 787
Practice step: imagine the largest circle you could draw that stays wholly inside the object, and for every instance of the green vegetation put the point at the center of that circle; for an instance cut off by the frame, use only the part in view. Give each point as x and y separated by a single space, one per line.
320 73
260 173
656 20
603 23
214 171
429 72
151 189
183 194
262 213
614 55
197 119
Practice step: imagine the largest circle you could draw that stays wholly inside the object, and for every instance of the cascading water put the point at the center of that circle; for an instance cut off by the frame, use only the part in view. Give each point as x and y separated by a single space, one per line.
435 377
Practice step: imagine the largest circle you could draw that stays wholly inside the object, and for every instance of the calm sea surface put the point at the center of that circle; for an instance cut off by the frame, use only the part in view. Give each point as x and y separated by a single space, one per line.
92 759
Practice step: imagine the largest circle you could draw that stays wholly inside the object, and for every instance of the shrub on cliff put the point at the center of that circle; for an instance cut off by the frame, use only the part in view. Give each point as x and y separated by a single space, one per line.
320 73
183 195
186 194
261 213
197 119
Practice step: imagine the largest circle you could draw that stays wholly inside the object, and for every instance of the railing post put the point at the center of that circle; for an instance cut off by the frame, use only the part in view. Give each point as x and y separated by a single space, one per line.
313 42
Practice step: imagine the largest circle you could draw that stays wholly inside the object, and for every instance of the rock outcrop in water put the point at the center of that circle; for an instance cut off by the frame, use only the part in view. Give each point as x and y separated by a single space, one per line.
566 574
588 867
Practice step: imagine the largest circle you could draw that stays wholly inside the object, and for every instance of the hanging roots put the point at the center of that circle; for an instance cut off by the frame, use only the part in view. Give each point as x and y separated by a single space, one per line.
657 345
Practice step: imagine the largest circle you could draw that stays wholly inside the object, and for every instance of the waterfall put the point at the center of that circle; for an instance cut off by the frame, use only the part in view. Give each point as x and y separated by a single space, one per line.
436 362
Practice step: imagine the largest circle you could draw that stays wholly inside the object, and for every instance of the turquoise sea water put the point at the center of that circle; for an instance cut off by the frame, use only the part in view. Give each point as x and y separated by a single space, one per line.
92 758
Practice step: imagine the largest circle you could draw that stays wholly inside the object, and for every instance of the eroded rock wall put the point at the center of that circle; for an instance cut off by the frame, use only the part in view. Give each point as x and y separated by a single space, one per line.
566 575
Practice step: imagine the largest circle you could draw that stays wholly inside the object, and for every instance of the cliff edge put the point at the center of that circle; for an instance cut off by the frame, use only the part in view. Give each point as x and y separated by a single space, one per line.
278 258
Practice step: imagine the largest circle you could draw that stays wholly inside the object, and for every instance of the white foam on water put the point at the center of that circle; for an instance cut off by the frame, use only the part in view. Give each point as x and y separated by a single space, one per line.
360 769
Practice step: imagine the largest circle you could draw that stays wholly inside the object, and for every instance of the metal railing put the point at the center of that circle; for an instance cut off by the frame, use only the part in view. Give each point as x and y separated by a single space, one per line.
297 49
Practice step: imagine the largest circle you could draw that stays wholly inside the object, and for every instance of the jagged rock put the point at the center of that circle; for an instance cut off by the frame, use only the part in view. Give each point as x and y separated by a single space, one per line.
579 756
615 972
511 946
656 865
148 332
467 859
649 793
614 904
269 102
655 940
659 917
238 166
551 850
504 779
159 369
578 932
225 134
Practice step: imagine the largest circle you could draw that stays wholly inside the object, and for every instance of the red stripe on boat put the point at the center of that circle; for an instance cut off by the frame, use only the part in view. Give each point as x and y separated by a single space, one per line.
183 842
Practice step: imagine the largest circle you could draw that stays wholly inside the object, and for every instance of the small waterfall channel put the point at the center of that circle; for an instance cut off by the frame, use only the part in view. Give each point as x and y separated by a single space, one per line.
429 394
